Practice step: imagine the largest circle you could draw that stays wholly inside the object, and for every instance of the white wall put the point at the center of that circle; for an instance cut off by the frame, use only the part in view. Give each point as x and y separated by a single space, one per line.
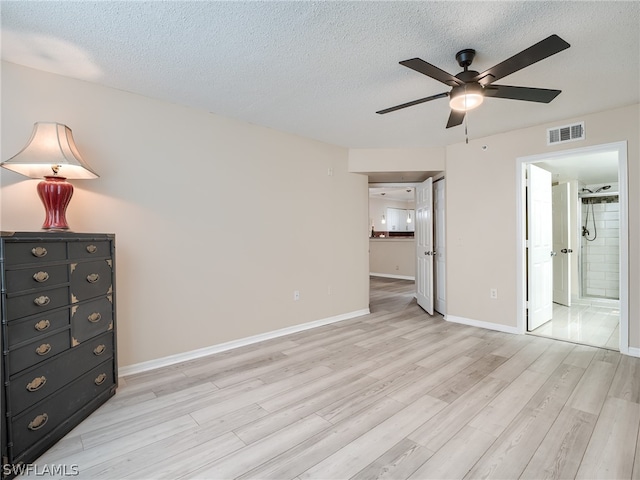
217 222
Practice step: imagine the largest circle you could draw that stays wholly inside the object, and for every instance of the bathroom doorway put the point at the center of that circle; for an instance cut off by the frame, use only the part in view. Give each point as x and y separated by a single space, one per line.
595 311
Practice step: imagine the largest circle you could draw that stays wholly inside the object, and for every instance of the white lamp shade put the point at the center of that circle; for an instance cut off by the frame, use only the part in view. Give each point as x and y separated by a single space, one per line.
51 144
466 97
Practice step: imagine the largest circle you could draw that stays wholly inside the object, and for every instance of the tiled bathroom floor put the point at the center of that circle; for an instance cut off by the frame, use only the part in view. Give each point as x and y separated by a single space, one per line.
595 325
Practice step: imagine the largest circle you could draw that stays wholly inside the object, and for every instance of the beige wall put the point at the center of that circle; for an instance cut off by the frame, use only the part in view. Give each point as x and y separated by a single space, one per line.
396 159
481 214
391 256
217 222
219 260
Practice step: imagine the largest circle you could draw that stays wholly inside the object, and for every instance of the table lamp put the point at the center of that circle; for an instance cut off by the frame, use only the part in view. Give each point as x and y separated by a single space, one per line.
51 154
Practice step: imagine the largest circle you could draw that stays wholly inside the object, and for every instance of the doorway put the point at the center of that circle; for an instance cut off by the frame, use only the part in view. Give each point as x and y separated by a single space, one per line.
390 248
574 320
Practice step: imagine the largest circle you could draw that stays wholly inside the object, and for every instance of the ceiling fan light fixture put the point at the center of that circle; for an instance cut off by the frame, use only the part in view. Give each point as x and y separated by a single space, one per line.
466 97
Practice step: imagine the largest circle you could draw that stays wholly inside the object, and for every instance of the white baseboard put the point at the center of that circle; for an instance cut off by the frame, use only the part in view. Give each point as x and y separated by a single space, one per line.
479 323
634 351
388 275
222 347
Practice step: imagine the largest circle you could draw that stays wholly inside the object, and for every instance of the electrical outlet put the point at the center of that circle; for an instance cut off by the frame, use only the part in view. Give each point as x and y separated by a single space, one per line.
296 295
494 293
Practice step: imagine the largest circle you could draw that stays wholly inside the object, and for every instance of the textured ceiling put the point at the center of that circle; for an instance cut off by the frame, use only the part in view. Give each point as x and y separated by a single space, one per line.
322 69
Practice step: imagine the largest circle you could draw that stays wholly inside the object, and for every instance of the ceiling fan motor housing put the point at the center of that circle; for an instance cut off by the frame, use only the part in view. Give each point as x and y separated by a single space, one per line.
465 57
467 76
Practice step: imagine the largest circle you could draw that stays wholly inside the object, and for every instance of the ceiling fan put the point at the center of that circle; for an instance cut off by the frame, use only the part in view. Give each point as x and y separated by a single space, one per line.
470 87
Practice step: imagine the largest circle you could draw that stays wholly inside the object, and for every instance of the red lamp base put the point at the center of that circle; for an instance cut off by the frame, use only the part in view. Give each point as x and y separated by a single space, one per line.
55 193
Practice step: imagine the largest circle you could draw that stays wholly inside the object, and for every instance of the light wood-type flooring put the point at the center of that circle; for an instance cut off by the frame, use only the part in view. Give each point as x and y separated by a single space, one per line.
395 394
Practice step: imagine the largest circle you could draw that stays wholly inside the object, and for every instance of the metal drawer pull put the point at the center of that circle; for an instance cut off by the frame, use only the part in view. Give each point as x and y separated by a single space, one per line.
36 384
43 349
94 317
100 379
42 325
93 278
99 350
41 277
38 422
42 300
92 248
39 251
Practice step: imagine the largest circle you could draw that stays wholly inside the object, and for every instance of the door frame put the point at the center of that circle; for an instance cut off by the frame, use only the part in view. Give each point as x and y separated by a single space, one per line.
521 281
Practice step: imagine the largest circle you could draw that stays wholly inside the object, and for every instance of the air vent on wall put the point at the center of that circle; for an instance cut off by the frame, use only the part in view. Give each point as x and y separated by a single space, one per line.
567 133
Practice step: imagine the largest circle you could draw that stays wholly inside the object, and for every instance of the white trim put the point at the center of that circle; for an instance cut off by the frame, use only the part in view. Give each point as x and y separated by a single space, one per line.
481 324
621 149
634 352
623 200
223 347
388 275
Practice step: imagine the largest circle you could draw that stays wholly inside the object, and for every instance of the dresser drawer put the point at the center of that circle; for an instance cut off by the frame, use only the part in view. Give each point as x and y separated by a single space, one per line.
41 381
35 352
80 250
91 318
34 424
90 279
36 277
32 303
37 326
34 252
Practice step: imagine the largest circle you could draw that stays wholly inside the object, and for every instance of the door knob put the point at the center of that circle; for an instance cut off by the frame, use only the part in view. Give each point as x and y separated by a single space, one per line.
566 250
553 254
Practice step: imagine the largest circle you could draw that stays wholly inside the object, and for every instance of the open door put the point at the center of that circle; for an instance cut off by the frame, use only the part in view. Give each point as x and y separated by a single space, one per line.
561 245
424 245
540 243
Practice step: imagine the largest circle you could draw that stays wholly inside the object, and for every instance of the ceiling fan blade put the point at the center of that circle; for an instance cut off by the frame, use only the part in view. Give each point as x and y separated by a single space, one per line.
432 71
527 94
455 118
415 102
541 50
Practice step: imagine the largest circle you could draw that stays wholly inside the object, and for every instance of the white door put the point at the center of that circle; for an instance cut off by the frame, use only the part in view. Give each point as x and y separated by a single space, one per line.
561 245
424 245
540 253
438 209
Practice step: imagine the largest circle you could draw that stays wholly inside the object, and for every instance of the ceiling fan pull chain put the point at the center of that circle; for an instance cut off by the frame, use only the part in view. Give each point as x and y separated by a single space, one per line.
466 134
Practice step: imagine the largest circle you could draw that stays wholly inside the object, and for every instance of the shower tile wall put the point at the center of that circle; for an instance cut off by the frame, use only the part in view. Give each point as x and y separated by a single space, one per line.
600 257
